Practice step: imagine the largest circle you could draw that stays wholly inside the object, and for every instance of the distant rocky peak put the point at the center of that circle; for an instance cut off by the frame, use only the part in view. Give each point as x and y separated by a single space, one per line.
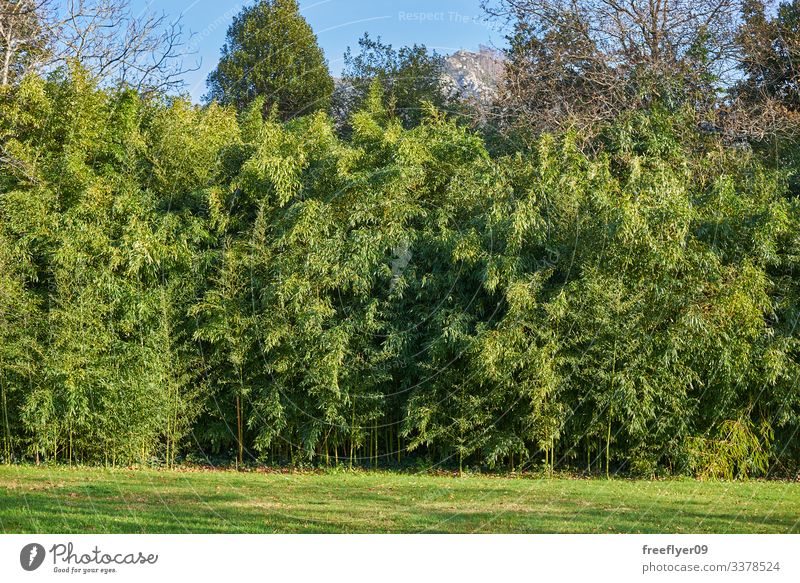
474 75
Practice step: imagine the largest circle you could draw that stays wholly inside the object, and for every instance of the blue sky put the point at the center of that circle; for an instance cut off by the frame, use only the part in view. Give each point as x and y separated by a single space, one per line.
444 25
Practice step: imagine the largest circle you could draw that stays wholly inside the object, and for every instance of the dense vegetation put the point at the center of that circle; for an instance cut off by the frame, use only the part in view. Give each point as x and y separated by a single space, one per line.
183 281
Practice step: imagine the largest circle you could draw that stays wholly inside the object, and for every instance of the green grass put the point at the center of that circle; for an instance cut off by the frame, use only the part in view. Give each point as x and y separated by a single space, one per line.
64 500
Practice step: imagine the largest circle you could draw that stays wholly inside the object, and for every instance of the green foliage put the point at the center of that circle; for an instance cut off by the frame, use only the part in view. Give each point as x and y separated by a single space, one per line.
271 52
111 267
770 40
284 294
738 450
411 76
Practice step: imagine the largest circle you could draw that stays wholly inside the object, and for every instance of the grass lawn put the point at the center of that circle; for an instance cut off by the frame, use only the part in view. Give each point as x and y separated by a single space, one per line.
64 500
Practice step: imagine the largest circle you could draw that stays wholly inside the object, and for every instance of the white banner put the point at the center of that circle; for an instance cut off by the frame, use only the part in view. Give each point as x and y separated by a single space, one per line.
399 558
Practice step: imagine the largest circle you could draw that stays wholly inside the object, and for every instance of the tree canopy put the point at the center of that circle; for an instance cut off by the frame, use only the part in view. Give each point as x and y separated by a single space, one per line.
271 52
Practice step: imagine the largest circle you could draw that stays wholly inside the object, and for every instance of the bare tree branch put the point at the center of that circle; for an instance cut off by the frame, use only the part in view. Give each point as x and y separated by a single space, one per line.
146 52
583 61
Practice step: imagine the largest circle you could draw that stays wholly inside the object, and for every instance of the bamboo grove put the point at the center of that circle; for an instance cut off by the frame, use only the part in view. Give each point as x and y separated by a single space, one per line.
191 283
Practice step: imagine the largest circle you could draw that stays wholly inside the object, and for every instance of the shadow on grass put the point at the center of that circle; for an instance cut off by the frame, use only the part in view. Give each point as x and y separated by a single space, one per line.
159 502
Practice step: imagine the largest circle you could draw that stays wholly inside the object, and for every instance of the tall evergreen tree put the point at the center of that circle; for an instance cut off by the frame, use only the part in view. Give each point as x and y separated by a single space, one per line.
272 52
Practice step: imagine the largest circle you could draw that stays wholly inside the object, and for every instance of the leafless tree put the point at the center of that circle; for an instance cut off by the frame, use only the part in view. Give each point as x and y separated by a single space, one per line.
586 60
144 51
658 32
22 38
